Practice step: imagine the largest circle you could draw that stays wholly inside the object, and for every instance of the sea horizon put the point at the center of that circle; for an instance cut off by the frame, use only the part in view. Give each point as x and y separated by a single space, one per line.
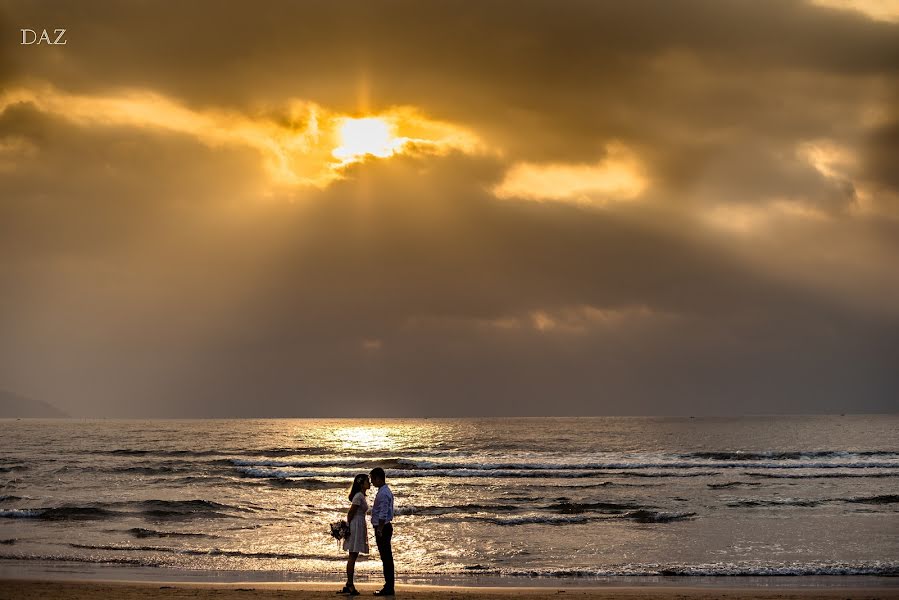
459 417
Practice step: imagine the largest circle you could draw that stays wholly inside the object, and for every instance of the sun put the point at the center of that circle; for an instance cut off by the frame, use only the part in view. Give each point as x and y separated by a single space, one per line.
366 136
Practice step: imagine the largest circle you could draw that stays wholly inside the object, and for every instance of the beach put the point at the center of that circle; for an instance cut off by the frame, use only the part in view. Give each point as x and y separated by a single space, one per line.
98 590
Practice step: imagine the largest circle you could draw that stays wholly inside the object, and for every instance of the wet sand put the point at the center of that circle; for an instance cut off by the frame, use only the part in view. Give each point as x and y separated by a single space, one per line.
11 589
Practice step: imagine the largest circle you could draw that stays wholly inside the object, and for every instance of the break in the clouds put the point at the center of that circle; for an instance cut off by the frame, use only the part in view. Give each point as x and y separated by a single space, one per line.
311 209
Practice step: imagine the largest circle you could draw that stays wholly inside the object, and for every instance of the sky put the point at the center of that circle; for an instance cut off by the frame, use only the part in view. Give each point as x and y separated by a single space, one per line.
379 209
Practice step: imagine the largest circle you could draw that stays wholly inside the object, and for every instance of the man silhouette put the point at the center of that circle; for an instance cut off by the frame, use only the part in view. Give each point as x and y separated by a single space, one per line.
381 519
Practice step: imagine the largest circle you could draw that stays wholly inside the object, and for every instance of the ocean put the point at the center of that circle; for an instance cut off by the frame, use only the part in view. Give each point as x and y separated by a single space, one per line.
517 499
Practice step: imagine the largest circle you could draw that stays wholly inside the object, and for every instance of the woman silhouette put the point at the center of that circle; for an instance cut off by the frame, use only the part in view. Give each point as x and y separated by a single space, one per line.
357 540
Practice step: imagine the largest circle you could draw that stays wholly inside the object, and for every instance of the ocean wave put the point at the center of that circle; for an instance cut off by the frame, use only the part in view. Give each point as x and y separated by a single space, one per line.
808 502
299 451
731 484
148 470
878 568
182 509
456 509
180 505
257 472
142 533
568 508
135 562
562 507
533 520
882 499
760 461
160 509
309 483
640 516
585 486
208 552
753 502
167 468
879 474
189 479
156 452
61 513
652 516
657 474
362 465
788 455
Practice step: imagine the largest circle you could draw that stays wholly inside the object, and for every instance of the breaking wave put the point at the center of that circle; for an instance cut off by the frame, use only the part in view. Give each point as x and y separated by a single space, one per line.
731 484
703 460
652 516
208 552
141 533
881 569
568 508
160 509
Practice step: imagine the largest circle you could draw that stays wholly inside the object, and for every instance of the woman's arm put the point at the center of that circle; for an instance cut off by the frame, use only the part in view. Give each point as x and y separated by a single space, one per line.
353 508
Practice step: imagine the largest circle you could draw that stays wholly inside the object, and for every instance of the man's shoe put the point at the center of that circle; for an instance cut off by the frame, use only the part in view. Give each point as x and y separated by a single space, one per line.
384 592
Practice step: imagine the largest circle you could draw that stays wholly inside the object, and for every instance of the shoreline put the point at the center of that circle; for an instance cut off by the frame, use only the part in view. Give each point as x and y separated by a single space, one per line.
24 571
27 589
12 569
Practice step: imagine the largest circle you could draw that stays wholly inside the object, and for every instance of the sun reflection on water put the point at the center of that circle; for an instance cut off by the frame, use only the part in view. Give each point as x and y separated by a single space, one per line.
382 439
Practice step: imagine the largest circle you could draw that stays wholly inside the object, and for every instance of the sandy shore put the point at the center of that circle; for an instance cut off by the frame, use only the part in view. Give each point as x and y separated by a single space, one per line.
52 590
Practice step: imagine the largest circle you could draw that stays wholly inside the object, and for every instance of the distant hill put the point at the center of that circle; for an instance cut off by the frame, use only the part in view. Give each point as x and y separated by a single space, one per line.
13 405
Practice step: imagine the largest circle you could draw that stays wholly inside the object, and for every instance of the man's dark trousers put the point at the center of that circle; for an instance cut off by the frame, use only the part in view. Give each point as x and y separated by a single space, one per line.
386 554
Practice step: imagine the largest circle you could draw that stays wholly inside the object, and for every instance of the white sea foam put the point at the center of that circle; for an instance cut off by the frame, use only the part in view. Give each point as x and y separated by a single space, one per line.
21 513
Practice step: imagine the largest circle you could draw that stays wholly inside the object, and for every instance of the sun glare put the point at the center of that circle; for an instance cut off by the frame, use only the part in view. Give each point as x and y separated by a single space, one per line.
367 136
309 147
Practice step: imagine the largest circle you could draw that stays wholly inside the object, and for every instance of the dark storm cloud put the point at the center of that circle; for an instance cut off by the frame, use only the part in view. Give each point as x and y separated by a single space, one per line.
882 153
152 273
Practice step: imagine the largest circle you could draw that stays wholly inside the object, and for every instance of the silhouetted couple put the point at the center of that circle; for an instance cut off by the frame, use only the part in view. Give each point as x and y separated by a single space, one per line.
381 520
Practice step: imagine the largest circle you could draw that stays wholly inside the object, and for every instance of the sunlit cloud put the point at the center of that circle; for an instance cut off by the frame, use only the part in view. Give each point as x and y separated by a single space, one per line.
585 318
570 320
372 345
830 159
618 176
799 209
300 143
749 219
879 10
841 164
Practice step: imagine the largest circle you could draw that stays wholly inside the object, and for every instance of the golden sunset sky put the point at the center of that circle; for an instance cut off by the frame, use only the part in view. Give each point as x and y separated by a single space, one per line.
451 208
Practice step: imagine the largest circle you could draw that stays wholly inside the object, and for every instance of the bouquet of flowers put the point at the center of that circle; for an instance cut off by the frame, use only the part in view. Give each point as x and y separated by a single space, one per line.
340 530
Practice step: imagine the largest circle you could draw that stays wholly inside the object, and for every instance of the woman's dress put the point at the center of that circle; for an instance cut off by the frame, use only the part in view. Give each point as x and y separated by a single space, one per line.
358 538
